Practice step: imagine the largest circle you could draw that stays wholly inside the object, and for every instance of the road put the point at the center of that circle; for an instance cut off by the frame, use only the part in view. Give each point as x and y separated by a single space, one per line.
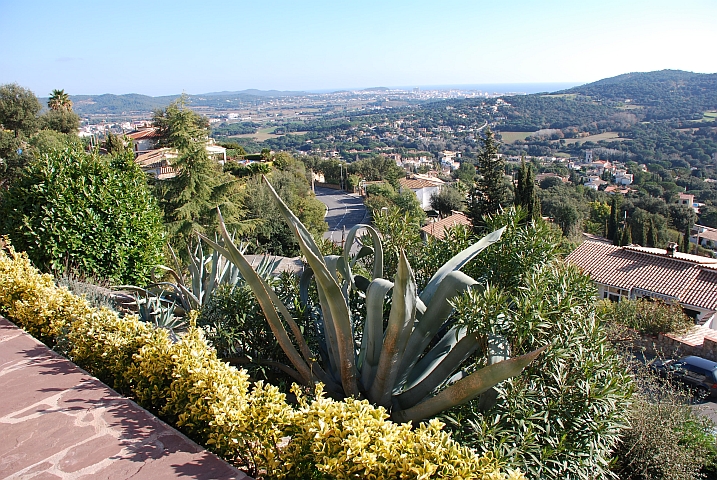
344 211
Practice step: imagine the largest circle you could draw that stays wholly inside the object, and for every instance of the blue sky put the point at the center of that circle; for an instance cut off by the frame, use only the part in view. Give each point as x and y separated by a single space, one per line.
159 47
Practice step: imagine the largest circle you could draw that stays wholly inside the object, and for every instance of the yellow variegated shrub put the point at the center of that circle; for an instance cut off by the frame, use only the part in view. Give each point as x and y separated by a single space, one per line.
353 439
249 425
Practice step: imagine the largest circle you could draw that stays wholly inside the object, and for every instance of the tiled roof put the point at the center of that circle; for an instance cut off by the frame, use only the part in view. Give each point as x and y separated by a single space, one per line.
438 229
153 158
690 279
144 133
415 183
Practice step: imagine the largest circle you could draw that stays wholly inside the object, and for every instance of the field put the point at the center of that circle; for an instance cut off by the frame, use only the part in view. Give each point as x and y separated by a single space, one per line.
608 136
510 137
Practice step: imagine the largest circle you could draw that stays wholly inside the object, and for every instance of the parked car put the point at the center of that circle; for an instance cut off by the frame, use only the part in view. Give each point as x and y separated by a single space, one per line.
697 373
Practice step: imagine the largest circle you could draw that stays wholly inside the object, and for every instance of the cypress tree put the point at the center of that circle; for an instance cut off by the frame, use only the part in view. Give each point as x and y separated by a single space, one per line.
613 232
652 235
525 194
686 239
626 236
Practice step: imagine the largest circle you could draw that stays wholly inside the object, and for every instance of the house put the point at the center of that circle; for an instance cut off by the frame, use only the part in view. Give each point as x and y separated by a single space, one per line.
158 163
144 140
689 201
623 178
423 186
438 228
637 272
704 236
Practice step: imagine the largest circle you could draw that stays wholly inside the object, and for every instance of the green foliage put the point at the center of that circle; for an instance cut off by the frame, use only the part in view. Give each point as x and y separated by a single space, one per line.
562 418
490 192
447 200
380 196
646 316
377 168
73 209
271 234
47 140
116 144
190 199
63 121
215 404
253 168
59 100
18 109
390 367
525 194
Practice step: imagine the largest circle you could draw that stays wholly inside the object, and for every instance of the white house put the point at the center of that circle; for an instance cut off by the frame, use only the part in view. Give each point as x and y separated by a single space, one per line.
423 187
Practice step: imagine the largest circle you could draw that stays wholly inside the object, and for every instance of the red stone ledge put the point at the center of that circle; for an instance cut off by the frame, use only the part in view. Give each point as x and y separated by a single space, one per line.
58 422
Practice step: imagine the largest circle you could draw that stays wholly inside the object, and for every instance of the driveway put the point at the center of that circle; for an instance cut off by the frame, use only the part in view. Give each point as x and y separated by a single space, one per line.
344 210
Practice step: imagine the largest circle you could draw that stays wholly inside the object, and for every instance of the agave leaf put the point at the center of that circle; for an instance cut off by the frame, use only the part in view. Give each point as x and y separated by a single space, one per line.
269 302
377 248
334 300
304 284
466 389
435 355
436 375
457 262
372 340
398 330
435 315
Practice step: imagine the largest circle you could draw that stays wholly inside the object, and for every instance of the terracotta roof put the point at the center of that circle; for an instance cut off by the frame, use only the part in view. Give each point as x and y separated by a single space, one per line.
144 133
690 279
415 183
438 229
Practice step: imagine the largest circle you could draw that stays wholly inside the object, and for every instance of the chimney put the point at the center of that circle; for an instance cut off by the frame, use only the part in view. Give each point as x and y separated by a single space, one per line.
671 249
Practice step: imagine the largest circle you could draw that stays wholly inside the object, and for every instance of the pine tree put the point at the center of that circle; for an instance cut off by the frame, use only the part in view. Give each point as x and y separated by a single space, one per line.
490 192
190 199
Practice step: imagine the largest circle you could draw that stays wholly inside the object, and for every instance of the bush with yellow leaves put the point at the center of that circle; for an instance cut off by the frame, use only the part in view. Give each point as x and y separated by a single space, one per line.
353 439
249 425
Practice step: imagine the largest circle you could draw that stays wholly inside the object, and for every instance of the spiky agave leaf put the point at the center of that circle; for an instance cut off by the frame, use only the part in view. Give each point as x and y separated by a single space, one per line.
466 389
334 302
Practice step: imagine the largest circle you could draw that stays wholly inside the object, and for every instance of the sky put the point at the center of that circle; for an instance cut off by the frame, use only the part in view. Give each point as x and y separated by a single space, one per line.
160 47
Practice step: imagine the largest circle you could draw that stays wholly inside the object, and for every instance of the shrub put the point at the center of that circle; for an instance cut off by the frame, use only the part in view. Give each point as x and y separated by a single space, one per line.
646 316
562 417
215 404
666 438
71 208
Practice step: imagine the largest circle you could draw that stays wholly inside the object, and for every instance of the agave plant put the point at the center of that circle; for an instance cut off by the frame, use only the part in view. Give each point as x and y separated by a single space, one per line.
206 273
390 366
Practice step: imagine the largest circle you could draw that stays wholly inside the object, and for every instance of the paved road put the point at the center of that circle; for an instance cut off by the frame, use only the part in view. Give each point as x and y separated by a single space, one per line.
344 211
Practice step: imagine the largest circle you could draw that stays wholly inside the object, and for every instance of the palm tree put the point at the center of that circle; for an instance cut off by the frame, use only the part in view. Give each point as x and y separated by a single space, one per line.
59 100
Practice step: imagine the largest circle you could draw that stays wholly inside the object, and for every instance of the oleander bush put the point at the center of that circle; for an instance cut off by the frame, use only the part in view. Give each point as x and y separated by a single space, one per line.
249 425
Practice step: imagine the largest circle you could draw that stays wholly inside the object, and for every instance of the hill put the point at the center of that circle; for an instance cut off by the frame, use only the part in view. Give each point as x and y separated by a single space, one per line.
664 94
